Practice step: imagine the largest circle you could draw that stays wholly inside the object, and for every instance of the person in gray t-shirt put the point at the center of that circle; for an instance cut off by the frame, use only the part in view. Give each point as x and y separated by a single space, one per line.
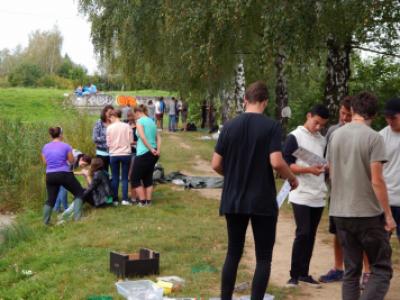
336 273
359 200
391 171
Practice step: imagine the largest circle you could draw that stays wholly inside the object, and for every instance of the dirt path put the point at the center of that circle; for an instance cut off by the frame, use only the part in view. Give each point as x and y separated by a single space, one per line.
320 263
322 259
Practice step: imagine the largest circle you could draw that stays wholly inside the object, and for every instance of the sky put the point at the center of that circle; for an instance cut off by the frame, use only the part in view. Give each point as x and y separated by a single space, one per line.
18 18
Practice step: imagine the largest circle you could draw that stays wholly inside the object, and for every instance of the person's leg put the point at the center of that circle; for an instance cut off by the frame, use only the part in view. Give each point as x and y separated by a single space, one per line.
73 186
52 186
396 216
133 190
338 251
376 244
147 178
136 177
264 230
336 273
352 249
302 219
162 122
125 161
236 226
315 218
115 171
106 162
174 122
57 205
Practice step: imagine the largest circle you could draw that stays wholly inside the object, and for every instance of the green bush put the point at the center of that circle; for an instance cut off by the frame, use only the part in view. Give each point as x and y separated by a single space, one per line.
4 83
25 75
22 173
54 81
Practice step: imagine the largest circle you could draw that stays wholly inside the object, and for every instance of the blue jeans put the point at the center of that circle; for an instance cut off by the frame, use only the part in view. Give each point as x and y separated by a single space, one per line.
117 163
172 123
62 199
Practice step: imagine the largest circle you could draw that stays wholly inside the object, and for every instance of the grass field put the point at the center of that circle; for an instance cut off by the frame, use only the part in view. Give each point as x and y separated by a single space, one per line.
72 261
29 104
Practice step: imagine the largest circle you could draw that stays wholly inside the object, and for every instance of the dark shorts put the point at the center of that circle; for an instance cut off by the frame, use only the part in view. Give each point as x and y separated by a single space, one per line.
143 168
332 226
396 217
184 115
159 116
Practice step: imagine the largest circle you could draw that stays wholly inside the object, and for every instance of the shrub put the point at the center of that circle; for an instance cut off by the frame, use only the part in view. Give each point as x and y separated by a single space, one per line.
55 81
25 75
22 173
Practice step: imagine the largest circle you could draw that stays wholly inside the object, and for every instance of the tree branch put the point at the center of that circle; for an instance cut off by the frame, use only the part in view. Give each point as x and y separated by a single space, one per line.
376 51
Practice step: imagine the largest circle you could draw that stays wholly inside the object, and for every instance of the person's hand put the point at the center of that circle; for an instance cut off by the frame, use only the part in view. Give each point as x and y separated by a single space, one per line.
390 223
155 152
294 183
317 170
85 172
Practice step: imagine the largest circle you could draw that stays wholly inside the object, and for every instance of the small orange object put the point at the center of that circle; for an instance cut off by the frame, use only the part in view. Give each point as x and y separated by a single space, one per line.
125 100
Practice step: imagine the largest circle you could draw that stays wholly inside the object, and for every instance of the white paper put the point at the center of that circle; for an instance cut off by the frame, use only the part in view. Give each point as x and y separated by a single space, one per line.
283 193
309 157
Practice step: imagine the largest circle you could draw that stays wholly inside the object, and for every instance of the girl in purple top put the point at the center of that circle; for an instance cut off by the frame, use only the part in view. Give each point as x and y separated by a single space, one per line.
57 156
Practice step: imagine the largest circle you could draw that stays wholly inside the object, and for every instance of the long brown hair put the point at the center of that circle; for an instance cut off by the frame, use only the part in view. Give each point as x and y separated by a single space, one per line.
96 164
103 116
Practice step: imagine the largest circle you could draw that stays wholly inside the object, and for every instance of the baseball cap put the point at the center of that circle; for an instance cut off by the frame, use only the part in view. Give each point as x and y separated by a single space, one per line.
392 107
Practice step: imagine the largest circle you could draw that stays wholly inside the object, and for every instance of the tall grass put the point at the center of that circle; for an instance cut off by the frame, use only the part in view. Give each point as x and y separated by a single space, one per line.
22 173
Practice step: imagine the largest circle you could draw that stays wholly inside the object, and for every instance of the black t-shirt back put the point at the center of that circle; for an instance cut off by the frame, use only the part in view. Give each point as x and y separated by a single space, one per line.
245 144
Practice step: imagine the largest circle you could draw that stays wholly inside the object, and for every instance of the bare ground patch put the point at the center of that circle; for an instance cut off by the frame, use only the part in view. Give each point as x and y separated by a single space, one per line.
321 262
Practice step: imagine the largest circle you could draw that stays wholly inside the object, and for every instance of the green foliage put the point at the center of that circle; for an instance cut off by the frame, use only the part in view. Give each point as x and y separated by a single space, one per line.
55 81
25 116
44 50
28 104
72 71
379 76
25 75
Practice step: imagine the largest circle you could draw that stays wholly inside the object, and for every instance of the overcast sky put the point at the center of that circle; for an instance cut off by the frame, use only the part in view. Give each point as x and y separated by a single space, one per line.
20 17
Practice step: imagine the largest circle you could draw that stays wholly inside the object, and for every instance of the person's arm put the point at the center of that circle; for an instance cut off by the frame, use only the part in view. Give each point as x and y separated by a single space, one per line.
158 137
216 163
108 138
43 159
140 130
280 166
96 134
289 148
380 190
70 157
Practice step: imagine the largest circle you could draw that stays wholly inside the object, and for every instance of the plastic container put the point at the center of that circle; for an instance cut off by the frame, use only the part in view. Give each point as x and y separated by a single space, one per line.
177 283
139 290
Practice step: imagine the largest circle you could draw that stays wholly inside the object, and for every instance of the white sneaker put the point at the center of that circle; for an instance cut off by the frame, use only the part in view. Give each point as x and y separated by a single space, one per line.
126 202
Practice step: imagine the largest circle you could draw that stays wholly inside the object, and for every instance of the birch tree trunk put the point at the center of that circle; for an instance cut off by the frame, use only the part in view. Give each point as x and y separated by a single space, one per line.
240 85
227 104
281 92
337 76
232 97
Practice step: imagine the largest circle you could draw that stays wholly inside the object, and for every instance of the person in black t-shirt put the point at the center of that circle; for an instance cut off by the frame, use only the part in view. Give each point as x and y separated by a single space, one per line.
247 151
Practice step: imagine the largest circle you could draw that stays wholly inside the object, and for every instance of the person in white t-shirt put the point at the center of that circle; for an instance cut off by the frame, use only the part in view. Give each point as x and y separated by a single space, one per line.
391 170
308 200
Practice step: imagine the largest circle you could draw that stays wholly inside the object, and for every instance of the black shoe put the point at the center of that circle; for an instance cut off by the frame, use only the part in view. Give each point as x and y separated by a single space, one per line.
292 283
309 281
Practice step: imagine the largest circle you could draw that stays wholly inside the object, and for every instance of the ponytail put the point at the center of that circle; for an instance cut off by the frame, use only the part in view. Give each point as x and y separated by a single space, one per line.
55 132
